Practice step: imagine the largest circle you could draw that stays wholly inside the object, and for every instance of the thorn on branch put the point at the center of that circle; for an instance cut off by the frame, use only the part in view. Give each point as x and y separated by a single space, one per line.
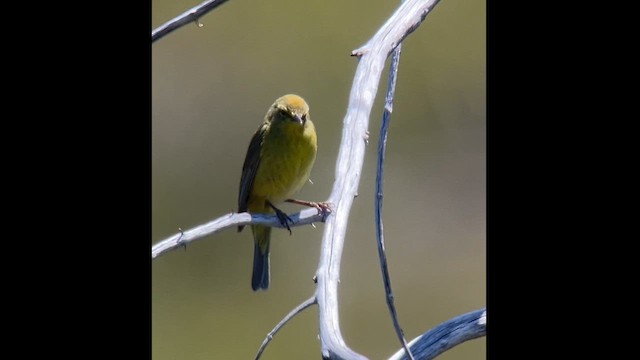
179 241
359 52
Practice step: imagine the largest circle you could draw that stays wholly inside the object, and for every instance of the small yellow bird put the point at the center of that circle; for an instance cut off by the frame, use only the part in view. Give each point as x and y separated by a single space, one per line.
277 165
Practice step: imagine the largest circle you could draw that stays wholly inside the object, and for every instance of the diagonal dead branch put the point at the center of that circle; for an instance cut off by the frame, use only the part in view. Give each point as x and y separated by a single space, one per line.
186 17
310 301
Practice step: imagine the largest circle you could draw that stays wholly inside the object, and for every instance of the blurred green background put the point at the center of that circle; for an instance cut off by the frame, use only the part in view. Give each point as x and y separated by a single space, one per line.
211 87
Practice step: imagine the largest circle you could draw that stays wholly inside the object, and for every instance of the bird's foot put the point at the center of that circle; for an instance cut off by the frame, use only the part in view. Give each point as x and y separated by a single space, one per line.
282 216
324 208
284 219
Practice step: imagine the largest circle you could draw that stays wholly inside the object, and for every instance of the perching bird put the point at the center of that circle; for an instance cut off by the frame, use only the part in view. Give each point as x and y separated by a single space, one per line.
277 165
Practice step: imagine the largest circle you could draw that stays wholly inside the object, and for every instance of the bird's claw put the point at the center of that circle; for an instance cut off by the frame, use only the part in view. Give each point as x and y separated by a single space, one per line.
284 219
324 208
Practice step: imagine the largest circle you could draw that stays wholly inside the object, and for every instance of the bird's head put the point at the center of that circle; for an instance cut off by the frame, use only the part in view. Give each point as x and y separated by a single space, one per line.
289 108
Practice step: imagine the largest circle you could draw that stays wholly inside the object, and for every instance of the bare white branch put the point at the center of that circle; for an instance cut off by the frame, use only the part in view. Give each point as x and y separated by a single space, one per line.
349 166
447 335
232 220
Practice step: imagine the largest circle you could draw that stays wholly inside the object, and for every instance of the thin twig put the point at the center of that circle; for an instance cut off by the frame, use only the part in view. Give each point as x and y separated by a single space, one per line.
186 17
304 217
310 301
382 147
372 57
447 335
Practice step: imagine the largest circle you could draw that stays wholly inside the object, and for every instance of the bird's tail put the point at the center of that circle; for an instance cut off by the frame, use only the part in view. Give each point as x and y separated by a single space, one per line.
261 237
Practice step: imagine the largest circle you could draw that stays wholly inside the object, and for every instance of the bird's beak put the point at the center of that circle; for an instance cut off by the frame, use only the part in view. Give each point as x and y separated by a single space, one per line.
297 118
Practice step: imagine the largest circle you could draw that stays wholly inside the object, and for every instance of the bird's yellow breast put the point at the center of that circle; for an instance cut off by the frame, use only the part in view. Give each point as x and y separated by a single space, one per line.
286 158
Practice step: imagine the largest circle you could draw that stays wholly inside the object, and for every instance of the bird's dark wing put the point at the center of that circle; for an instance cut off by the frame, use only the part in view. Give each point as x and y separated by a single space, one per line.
249 169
